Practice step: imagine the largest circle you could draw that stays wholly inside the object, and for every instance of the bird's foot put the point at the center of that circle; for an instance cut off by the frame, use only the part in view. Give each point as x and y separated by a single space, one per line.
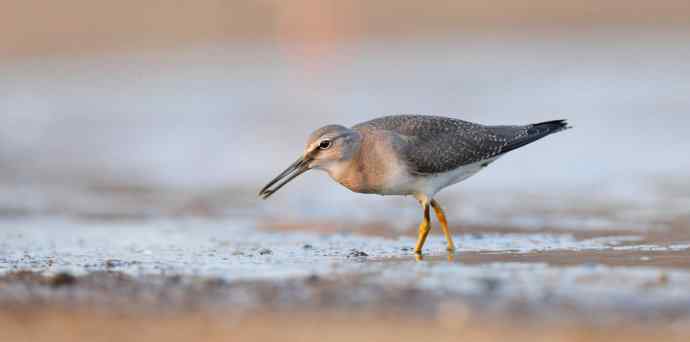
451 254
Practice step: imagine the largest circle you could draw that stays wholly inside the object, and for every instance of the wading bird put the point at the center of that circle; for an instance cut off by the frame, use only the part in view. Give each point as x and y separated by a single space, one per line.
415 155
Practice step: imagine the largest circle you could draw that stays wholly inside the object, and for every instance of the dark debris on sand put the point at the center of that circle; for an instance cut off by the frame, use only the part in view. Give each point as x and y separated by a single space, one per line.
116 291
355 253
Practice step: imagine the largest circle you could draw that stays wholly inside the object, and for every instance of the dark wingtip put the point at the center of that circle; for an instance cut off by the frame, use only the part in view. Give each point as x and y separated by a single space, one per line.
554 125
537 131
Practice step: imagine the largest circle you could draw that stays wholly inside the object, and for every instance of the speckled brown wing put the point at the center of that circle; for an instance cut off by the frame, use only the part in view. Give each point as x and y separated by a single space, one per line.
434 144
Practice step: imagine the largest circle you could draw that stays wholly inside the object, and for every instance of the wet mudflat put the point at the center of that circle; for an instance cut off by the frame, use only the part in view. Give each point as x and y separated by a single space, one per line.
137 274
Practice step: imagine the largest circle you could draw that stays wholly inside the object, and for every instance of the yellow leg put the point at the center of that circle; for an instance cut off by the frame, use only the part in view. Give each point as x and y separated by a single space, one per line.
444 225
424 229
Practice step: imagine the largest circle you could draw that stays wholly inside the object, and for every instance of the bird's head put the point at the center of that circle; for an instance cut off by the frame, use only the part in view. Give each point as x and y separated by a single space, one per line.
329 148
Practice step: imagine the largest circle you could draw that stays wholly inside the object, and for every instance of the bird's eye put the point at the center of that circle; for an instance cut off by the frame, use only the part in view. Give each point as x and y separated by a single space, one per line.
325 144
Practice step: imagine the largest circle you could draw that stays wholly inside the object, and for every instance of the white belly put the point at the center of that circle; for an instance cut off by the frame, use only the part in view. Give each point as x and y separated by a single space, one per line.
406 184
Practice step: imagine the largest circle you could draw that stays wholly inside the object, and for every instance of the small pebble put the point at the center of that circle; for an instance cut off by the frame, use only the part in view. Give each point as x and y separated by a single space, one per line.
313 279
112 263
357 254
63 279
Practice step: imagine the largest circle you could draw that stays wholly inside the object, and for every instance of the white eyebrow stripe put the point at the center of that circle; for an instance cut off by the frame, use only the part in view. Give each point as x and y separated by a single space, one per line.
315 145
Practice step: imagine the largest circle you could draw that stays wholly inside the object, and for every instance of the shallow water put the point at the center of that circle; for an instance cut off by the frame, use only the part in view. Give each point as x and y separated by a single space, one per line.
502 268
232 249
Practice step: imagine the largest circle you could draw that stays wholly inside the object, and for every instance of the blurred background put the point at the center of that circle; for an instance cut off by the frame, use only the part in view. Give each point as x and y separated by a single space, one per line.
213 94
135 135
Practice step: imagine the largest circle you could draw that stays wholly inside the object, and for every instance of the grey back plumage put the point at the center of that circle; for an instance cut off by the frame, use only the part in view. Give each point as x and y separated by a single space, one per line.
434 144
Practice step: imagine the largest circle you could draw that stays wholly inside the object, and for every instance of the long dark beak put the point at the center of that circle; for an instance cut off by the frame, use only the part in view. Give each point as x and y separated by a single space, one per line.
297 168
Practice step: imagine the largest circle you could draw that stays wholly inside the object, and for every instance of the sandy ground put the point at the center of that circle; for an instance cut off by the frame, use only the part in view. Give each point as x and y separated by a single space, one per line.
60 326
57 325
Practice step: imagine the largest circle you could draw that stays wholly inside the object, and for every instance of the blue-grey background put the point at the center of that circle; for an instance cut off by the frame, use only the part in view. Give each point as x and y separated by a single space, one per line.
224 93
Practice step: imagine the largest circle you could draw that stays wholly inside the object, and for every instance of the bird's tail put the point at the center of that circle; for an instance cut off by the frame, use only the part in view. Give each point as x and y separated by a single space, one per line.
535 132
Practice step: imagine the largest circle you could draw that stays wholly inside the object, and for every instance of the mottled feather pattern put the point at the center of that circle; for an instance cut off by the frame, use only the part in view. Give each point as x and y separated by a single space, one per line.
434 144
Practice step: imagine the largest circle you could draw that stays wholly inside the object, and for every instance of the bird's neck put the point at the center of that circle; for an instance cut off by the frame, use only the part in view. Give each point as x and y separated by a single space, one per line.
349 173
339 170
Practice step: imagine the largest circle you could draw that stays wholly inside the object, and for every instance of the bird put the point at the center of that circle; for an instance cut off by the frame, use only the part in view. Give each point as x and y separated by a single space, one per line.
410 155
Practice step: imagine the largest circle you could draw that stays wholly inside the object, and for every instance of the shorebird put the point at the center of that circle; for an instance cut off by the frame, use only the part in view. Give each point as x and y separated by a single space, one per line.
415 155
